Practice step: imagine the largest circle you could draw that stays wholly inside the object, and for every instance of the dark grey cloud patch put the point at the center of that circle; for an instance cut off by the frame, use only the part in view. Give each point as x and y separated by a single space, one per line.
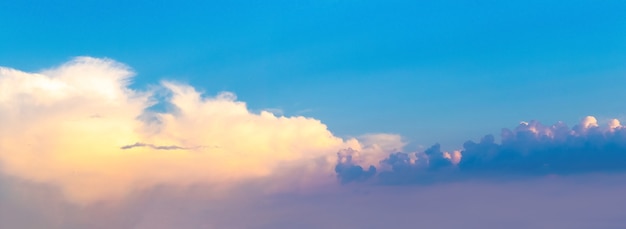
530 149
535 149
157 147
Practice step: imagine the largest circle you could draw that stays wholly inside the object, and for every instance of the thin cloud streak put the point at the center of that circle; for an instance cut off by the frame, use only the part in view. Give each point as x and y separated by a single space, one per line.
157 147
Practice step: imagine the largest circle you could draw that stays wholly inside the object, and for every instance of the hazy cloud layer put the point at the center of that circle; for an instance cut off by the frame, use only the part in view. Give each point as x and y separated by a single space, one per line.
576 202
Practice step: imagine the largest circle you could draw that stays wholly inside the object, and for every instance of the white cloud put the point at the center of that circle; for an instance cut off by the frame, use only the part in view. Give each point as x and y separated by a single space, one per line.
67 126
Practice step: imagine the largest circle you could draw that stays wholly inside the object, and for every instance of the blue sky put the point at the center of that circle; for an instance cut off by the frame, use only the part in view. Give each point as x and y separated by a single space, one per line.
80 150
432 71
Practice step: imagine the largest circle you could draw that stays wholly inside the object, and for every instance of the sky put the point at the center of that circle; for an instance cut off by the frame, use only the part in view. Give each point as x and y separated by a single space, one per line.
338 114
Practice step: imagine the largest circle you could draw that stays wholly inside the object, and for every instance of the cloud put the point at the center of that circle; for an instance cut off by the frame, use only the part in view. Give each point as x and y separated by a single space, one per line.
351 162
80 128
347 170
80 149
530 149
537 149
153 146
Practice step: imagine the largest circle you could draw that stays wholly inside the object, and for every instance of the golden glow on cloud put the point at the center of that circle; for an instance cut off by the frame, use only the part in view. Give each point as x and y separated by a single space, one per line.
68 126
454 156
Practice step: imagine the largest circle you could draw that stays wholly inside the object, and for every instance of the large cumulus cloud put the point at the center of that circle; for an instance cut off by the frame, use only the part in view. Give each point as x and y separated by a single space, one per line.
80 128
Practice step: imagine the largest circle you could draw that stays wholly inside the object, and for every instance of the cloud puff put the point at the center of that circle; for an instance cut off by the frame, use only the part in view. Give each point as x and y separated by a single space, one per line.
373 148
348 170
527 150
81 128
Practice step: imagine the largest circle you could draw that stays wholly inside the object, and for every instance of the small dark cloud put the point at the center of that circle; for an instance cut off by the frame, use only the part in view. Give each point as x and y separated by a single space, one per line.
157 147
347 171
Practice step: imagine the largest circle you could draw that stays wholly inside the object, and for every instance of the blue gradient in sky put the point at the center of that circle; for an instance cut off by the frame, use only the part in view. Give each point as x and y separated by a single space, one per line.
433 71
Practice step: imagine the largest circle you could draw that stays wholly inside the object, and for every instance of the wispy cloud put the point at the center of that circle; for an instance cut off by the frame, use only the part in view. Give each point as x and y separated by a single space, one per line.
157 147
